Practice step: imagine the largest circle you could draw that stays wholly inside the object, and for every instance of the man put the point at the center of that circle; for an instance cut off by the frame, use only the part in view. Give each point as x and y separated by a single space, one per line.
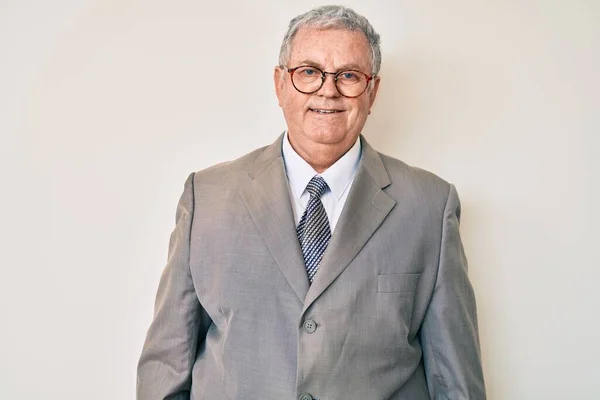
316 268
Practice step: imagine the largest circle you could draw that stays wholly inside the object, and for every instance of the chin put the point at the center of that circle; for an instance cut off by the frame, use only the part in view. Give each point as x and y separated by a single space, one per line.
329 136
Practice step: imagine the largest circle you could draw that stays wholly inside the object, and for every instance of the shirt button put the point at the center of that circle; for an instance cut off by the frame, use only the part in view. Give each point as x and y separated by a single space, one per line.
309 327
305 396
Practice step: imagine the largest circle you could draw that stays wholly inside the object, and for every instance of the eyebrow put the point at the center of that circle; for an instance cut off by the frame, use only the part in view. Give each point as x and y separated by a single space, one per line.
344 67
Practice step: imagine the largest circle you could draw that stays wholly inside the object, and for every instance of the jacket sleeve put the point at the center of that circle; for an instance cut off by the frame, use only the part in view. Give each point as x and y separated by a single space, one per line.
165 365
449 333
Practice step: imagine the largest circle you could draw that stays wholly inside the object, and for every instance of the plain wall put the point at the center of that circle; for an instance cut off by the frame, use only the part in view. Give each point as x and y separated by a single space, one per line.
106 106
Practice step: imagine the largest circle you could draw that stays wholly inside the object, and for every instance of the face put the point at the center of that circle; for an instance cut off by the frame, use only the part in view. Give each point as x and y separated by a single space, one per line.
315 132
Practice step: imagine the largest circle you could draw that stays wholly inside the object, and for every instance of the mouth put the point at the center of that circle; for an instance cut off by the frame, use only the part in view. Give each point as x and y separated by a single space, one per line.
324 111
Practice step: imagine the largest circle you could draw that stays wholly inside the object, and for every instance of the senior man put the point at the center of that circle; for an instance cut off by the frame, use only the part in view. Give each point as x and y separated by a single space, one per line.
316 267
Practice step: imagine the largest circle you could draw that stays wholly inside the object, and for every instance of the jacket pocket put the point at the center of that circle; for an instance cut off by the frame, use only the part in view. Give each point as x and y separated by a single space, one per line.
394 283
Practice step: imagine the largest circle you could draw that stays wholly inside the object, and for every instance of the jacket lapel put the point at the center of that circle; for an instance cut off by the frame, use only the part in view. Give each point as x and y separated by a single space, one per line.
267 199
365 209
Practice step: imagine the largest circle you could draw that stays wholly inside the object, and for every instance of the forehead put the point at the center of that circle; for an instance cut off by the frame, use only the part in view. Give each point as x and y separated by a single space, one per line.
330 48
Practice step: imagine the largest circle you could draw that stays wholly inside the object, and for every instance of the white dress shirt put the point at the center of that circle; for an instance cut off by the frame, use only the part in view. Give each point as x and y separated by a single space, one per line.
339 178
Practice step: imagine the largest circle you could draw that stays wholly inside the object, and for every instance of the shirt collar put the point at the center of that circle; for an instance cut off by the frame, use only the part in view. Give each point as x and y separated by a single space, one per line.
338 176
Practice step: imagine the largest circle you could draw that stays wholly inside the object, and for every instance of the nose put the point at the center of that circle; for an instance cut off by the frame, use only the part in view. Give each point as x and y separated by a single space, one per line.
329 89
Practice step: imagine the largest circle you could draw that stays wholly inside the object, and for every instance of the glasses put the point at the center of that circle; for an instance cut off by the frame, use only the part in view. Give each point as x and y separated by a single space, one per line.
308 79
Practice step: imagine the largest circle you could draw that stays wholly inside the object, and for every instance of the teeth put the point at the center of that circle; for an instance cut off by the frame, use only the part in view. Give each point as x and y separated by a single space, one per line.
326 111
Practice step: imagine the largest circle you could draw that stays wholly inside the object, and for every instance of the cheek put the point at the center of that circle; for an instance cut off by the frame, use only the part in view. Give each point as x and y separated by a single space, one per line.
293 104
293 112
360 112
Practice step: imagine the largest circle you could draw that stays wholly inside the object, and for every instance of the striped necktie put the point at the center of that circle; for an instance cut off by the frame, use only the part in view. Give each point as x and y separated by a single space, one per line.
313 230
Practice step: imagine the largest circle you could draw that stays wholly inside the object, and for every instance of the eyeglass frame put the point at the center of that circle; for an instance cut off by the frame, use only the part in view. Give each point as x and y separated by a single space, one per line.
324 77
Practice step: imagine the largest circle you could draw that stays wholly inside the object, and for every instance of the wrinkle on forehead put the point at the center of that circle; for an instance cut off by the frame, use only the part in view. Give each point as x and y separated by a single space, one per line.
331 49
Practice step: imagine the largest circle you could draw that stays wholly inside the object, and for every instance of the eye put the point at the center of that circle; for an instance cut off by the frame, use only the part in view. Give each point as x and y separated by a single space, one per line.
350 78
309 71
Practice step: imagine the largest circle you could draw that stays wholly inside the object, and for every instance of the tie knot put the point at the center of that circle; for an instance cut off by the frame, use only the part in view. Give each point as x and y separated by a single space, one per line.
317 186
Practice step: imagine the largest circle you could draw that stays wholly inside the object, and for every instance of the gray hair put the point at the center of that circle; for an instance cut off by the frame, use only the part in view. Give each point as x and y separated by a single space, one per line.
333 17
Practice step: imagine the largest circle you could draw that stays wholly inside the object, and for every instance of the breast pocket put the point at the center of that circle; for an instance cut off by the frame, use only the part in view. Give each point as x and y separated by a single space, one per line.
397 283
395 298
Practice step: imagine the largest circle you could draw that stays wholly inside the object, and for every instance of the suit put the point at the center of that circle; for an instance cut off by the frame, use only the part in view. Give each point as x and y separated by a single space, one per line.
390 315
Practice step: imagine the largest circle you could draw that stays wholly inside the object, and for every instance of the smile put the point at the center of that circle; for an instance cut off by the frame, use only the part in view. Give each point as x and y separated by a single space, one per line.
321 111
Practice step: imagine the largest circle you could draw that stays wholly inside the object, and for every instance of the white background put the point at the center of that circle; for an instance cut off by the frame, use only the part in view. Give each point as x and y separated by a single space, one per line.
106 106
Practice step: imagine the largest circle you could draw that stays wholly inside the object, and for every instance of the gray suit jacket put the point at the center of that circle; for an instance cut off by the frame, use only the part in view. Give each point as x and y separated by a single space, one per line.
390 315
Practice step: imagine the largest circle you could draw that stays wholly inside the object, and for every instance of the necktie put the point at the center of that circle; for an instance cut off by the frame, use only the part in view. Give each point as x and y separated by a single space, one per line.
313 230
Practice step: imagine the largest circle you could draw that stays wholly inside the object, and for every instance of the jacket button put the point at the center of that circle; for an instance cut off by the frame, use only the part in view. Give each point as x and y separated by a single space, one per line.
305 396
309 327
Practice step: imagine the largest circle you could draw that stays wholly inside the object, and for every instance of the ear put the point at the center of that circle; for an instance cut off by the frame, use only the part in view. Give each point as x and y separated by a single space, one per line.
279 81
373 91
